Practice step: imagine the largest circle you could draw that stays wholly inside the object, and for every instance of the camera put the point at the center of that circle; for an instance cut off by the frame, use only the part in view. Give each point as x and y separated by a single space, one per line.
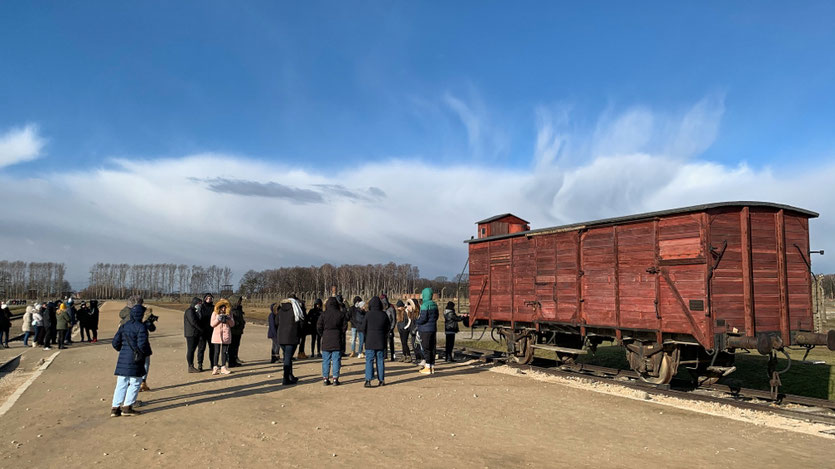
149 323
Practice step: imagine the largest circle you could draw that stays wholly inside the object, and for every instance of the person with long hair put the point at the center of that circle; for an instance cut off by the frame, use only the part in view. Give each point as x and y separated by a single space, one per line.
331 327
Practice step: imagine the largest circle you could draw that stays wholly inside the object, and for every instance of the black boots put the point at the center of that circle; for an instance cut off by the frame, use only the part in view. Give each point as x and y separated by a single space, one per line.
273 359
288 376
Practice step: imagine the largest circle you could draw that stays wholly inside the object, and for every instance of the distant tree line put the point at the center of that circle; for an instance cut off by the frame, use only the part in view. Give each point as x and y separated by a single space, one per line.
363 280
154 280
22 280
828 284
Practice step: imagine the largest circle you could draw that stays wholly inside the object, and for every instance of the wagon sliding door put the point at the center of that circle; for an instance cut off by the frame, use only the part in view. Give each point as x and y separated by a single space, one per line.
682 274
546 277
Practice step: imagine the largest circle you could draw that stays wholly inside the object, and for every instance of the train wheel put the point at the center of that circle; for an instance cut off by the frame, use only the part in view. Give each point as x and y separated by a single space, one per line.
524 350
666 371
657 368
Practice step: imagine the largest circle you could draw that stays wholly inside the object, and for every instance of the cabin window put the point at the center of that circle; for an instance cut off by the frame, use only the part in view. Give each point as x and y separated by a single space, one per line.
483 231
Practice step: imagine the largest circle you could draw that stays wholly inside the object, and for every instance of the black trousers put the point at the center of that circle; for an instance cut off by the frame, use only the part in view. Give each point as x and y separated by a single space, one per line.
220 352
417 348
404 342
428 340
391 346
315 344
191 346
62 336
302 338
234 347
206 340
449 345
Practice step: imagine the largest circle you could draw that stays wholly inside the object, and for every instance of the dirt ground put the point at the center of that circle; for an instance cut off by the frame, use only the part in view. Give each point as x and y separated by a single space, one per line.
463 416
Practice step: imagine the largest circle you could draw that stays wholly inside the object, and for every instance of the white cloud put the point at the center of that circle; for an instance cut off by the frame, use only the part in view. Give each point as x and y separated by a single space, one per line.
269 214
19 145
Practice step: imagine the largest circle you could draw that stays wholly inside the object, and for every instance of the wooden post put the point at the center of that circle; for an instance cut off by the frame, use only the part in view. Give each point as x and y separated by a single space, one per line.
747 272
782 277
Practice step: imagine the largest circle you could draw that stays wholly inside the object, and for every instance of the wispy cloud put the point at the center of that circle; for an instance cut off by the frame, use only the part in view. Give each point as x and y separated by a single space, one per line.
18 145
263 214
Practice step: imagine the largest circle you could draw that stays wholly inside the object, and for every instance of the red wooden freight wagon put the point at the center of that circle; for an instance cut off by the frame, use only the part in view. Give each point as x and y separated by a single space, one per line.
686 286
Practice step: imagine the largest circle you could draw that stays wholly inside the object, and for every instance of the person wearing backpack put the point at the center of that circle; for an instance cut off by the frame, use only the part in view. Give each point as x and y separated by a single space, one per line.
131 341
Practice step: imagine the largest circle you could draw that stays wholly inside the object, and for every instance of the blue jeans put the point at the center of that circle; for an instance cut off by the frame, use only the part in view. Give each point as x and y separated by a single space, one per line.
370 357
127 388
26 338
288 350
331 358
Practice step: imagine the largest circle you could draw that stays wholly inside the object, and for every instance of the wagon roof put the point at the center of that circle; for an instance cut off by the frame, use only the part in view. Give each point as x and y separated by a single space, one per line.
499 217
648 215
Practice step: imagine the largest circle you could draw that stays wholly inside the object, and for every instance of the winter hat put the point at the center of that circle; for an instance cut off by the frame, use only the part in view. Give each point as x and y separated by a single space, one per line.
318 302
450 305
400 304
361 305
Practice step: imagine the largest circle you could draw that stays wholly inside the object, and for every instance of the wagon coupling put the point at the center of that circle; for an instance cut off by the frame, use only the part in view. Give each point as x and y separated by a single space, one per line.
813 338
763 343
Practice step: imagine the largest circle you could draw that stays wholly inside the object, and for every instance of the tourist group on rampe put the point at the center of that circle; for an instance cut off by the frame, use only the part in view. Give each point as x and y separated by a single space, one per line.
218 327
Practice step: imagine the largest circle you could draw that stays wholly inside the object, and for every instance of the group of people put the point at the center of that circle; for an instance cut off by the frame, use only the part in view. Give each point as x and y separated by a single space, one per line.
51 323
219 325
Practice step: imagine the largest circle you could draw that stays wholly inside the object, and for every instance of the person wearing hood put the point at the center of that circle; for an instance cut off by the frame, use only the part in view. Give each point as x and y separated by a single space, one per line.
290 318
37 325
331 327
272 333
5 324
83 317
375 331
388 308
63 322
206 310
193 332
94 320
311 321
413 312
451 321
357 323
26 327
48 312
427 324
237 313
222 324
73 320
131 341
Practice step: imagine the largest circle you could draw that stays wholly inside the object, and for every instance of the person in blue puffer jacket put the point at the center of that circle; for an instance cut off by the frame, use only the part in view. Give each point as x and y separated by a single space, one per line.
131 341
427 324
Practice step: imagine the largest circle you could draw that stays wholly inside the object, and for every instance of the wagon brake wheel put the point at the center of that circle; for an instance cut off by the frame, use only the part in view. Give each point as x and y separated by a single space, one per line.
524 345
665 373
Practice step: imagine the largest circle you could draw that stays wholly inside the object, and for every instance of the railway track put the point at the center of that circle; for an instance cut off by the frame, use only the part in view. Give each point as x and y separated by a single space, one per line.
796 407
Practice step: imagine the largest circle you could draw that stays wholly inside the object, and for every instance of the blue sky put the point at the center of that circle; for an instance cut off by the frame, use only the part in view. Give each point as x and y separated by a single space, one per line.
350 90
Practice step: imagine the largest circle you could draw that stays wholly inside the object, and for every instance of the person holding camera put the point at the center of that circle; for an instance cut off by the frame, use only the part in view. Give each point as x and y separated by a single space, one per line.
222 323
131 341
148 319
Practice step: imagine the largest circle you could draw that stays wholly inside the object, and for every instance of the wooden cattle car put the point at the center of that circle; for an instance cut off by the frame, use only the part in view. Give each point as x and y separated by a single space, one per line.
686 286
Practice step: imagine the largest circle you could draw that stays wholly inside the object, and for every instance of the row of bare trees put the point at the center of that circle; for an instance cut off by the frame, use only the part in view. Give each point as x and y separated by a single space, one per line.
363 280
21 280
828 284
150 280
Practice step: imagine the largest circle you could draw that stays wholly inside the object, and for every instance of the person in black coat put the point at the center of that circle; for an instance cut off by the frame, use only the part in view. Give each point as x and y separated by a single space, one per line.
311 321
51 324
94 319
272 333
375 328
205 317
237 313
289 321
131 341
331 327
193 332
451 321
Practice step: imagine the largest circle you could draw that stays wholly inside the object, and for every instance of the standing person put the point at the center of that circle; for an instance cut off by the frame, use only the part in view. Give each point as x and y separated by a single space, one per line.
331 326
392 315
451 321
206 310
84 322
413 311
221 322
151 327
48 312
404 325
94 320
357 323
193 332
37 326
131 341
427 324
375 331
63 322
237 313
347 313
290 318
73 320
5 324
272 333
26 327
311 322
303 332
124 314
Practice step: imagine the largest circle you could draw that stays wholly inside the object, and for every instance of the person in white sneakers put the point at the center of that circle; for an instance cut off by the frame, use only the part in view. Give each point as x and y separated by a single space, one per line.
222 323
